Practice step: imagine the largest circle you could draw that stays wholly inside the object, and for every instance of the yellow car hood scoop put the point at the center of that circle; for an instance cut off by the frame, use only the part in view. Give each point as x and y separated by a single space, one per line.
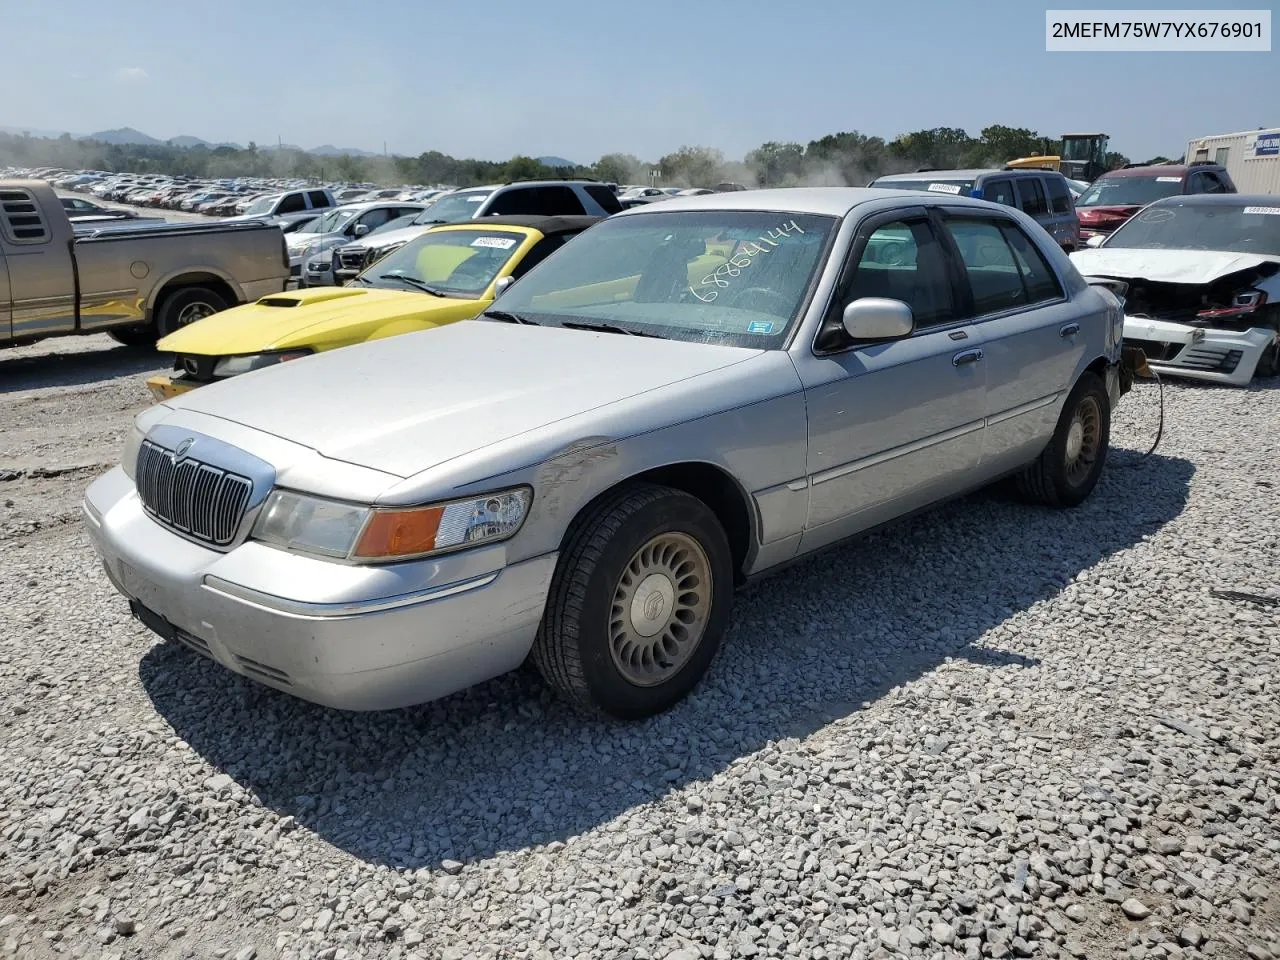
304 297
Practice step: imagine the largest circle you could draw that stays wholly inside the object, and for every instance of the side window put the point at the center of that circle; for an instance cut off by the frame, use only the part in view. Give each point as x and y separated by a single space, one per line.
376 218
994 275
292 203
999 191
1037 276
318 200
1032 196
543 249
1220 155
904 261
1213 183
559 202
602 195
518 201
1195 183
1059 196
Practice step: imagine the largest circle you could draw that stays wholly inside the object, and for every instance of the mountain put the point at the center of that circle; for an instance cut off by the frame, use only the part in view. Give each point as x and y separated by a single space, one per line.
329 150
31 131
187 143
125 135
556 162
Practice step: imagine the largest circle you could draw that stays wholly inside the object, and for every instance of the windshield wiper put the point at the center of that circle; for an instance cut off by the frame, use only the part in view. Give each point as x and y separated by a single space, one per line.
363 279
509 317
413 282
601 327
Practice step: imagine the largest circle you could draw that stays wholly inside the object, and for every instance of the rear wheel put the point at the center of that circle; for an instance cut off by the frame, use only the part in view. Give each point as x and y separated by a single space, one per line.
638 604
186 306
1067 471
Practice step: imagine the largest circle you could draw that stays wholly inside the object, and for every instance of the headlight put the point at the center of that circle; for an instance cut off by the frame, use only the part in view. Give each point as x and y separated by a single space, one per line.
234 366
332 528
132 444
302 251
383 251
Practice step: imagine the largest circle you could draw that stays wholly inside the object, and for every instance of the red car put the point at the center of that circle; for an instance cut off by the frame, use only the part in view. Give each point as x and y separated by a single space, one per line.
1118 194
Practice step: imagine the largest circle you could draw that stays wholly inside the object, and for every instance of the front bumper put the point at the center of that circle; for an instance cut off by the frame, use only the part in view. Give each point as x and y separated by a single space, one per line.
162 388
350 637
1199 353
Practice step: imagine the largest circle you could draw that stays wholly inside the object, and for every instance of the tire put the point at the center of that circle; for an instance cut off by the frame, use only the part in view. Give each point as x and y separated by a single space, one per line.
139 336
1058 479
610 602
1269 362
185 306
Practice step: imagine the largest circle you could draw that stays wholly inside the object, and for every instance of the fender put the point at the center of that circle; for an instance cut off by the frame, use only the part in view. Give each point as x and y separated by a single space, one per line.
193 271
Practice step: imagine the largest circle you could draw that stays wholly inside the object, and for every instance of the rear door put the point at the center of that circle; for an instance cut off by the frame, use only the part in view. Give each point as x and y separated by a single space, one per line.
893 425
1030 330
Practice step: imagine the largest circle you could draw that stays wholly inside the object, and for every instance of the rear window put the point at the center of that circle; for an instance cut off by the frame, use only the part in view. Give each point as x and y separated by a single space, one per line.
1130 191
602 195
960 188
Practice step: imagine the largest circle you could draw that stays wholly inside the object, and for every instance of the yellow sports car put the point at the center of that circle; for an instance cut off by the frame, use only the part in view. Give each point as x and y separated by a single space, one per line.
449 273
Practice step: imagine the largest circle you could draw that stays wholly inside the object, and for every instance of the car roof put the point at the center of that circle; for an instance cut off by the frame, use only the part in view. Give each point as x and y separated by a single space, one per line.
1221 200
1157 170
823 201
547 226
971 174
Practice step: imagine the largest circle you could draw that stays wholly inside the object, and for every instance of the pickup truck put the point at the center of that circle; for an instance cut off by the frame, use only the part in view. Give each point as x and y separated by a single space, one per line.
136 283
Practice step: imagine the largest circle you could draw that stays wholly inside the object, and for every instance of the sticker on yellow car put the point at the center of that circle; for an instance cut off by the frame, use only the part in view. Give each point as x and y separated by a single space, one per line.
500 243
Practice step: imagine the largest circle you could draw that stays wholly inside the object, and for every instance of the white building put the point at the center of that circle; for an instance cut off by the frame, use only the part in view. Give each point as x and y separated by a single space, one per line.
1252 158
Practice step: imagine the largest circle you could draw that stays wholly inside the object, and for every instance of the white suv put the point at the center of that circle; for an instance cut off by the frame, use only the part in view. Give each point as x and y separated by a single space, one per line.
531 198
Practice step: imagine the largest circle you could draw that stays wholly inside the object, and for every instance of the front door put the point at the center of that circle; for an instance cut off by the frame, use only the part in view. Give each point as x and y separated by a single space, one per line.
895 425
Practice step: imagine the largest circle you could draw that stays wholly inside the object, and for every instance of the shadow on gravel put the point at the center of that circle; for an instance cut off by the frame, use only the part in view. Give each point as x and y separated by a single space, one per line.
505 765
63 369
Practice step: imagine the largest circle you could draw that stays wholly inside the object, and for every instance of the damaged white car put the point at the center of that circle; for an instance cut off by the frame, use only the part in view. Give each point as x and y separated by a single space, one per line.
1204 284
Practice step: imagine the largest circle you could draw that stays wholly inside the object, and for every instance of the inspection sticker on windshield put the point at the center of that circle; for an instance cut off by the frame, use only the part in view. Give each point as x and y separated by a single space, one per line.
945 187
501 243
1270 211
760 326
1168 179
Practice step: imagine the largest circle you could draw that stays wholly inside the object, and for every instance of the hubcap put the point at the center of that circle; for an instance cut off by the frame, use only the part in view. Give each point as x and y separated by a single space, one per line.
1084 440
193 312
660 608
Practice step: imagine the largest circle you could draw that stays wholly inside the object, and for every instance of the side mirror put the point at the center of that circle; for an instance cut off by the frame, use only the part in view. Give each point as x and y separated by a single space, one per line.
878 318
1095 241
361 229
502 284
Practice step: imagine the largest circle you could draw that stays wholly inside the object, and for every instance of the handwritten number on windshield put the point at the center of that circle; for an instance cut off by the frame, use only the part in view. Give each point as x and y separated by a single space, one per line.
734 266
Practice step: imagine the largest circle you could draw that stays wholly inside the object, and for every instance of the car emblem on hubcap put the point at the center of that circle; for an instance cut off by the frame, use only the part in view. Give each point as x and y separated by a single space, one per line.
181 450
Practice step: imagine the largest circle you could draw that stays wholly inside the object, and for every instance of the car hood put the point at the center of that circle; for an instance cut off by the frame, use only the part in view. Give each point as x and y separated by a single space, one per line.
405 404
376 241
299 318
296 241
1168 266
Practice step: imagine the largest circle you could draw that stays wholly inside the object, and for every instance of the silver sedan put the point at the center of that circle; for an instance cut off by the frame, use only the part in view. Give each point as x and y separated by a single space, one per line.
684 397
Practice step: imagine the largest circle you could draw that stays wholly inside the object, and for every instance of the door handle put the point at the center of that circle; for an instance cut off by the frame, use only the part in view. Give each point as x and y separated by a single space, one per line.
966 356
1070 330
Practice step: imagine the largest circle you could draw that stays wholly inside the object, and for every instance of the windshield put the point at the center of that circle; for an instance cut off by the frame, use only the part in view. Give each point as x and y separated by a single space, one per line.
1219 227
331 222
455 207
1129 191
730 277
459 263
262 205
953 187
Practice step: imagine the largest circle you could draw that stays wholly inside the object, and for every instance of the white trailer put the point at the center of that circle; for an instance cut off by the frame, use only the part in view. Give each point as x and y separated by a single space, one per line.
1252 158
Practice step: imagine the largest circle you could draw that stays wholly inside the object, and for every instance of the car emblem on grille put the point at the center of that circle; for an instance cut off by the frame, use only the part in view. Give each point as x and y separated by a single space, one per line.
181 450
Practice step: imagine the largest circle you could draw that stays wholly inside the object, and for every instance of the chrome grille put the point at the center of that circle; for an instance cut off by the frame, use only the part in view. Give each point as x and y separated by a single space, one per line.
205 502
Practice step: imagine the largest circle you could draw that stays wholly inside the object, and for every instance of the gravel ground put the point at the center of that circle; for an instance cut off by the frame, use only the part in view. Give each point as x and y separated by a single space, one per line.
993 731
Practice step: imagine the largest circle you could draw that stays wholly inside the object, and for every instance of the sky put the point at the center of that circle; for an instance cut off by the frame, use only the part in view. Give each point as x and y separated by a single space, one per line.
506 77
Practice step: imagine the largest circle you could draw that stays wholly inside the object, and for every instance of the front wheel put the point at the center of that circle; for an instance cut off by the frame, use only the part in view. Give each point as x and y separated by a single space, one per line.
1067 471
1269 362
638 604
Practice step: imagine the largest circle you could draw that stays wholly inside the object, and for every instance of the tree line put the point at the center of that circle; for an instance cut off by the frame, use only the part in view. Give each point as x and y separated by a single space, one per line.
838 159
